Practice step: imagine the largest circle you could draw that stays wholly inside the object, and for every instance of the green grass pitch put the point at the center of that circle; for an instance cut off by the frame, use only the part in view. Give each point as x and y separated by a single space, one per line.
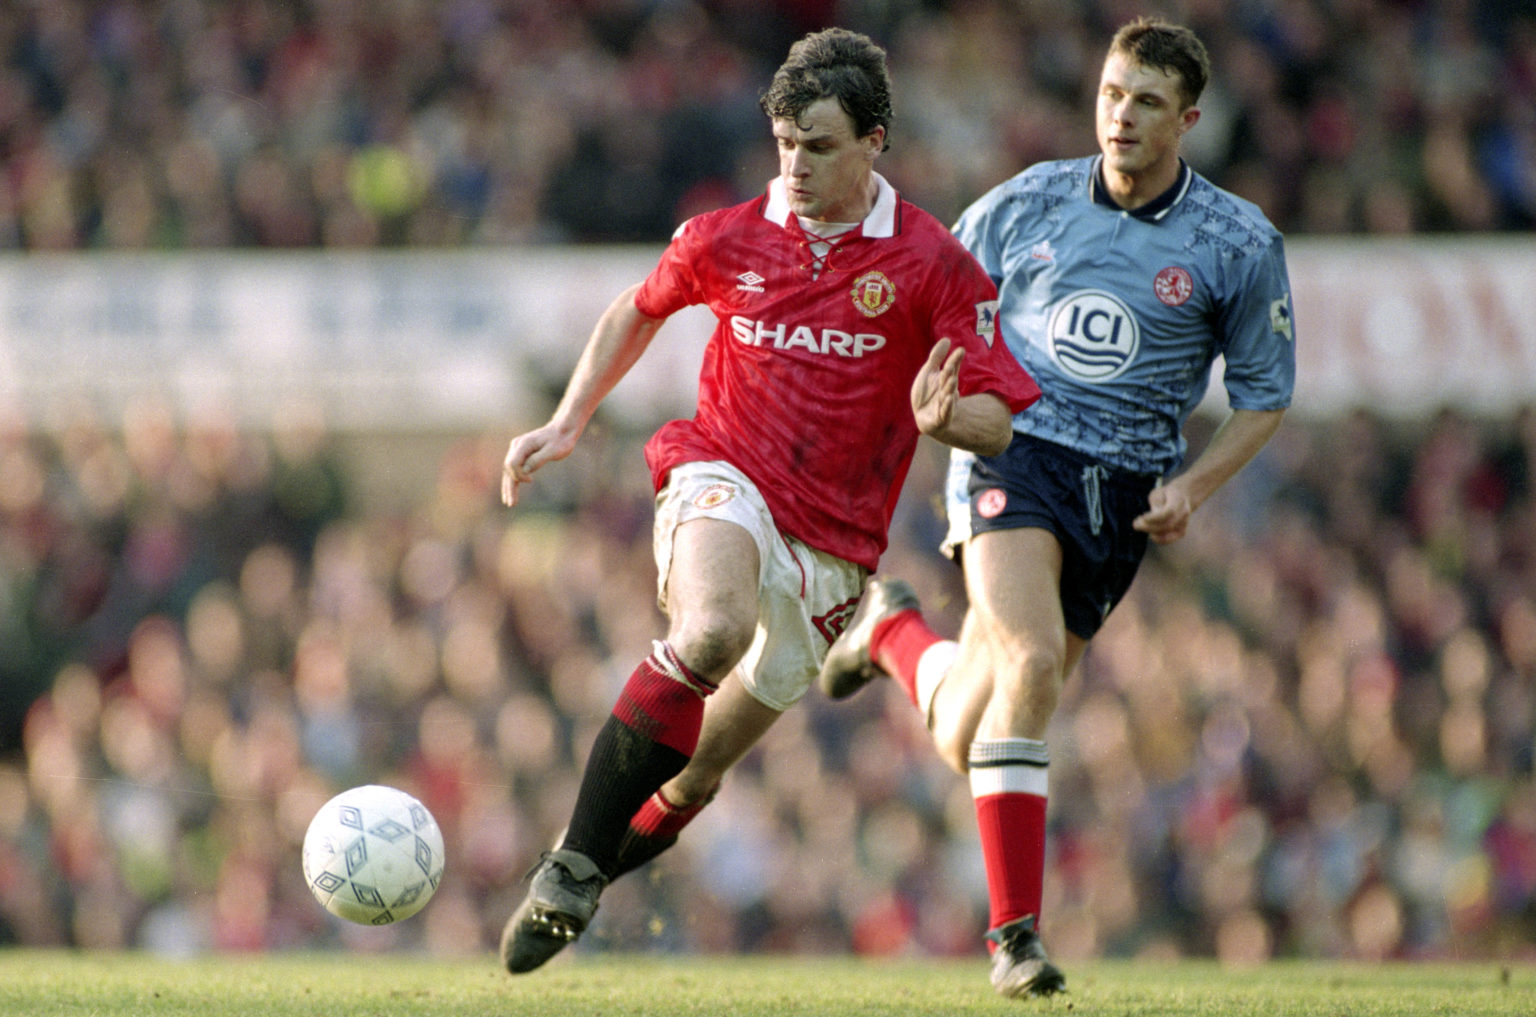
60 984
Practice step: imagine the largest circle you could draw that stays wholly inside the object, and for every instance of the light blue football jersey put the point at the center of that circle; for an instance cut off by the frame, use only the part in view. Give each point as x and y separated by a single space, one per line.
1119 315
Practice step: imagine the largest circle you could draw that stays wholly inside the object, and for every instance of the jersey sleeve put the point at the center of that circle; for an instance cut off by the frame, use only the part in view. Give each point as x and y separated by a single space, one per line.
674 283
1257 332
977 230
966 313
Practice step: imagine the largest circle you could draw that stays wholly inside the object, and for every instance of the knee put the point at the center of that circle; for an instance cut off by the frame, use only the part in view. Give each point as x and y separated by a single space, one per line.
1030 687
712 642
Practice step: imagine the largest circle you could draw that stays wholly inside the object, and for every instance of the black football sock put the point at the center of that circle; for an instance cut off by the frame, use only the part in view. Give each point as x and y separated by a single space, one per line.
624 769
646 742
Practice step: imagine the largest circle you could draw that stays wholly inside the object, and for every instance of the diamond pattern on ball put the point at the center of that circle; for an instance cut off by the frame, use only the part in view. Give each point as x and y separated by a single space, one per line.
388 830
408 895
329 882
356 855
367 895
424 856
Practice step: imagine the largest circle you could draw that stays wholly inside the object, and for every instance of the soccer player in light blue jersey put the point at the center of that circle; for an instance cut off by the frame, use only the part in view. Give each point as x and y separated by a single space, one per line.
1122 278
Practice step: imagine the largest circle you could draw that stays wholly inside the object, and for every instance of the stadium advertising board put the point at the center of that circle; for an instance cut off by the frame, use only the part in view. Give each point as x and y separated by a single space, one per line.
442 340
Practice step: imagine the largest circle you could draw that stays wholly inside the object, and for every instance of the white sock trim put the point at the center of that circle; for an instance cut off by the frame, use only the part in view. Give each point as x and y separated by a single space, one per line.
665 659
1009 766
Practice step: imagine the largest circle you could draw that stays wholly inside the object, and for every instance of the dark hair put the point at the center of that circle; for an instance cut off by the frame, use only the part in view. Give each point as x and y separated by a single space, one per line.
837 64
1153 42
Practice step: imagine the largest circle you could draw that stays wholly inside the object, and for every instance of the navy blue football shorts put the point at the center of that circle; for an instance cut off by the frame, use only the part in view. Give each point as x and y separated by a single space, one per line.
1088 506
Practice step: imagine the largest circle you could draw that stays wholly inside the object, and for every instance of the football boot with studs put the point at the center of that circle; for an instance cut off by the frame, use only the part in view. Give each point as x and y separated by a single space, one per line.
562 897
1020 968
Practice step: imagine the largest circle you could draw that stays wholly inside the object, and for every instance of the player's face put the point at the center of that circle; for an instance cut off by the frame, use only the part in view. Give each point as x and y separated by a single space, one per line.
1141 117
827 171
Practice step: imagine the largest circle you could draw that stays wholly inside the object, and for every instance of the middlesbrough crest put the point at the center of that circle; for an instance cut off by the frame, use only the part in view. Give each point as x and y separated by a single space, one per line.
1173 286
873 294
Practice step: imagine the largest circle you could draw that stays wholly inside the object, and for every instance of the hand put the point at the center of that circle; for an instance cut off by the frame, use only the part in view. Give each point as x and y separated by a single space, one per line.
936 389
530 451
1167 515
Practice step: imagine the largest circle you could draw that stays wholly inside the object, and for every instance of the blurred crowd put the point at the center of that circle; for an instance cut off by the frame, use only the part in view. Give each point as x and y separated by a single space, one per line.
1309 730
174 124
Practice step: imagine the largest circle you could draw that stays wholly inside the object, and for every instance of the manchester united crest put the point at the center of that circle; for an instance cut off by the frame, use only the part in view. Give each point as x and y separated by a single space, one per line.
873 294
714 496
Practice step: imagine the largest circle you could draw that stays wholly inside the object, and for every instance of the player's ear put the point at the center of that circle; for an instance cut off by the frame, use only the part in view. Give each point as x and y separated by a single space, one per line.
1188 119
875 139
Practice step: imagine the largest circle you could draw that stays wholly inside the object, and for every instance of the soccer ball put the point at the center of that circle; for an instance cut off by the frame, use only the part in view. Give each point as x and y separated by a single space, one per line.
373 855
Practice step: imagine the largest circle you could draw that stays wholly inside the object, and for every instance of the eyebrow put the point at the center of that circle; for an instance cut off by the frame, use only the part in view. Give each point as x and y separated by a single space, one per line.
802 137
1138 92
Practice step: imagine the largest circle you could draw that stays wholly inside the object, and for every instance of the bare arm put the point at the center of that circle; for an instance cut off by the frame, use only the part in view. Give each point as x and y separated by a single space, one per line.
976 423
1237 441
619 338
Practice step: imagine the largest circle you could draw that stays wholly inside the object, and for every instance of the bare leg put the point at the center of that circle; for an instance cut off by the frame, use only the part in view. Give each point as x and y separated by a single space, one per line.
712 596
1015 651
989 719
733 722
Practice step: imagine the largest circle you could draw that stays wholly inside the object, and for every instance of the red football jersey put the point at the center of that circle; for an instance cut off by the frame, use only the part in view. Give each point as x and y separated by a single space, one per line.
806 380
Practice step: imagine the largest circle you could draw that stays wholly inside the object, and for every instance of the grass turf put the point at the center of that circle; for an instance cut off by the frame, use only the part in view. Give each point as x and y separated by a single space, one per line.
61 984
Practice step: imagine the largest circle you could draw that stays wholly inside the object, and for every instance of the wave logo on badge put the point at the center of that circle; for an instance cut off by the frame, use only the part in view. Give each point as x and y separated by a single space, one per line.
1093 336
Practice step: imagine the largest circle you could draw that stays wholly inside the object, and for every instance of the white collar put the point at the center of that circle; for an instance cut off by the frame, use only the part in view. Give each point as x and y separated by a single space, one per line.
880 222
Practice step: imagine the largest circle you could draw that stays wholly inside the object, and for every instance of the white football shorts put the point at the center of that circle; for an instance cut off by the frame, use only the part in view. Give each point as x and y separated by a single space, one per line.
804 596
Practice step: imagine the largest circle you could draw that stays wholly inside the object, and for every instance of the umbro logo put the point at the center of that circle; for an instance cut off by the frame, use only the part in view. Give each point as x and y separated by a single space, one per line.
832 624
751 282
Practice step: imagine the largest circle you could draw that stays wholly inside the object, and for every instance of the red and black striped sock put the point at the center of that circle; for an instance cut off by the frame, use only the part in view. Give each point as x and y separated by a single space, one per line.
647 740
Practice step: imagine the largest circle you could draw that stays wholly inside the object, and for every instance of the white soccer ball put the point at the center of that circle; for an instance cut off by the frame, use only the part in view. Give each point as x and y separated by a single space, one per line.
373 855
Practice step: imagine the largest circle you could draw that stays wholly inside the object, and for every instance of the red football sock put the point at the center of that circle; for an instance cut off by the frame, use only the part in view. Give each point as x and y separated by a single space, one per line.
898 642
664 701
1008 782
660 818
654 828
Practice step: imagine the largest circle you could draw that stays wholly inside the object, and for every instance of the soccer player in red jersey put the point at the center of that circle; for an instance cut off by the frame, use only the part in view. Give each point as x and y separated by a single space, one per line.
849 322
